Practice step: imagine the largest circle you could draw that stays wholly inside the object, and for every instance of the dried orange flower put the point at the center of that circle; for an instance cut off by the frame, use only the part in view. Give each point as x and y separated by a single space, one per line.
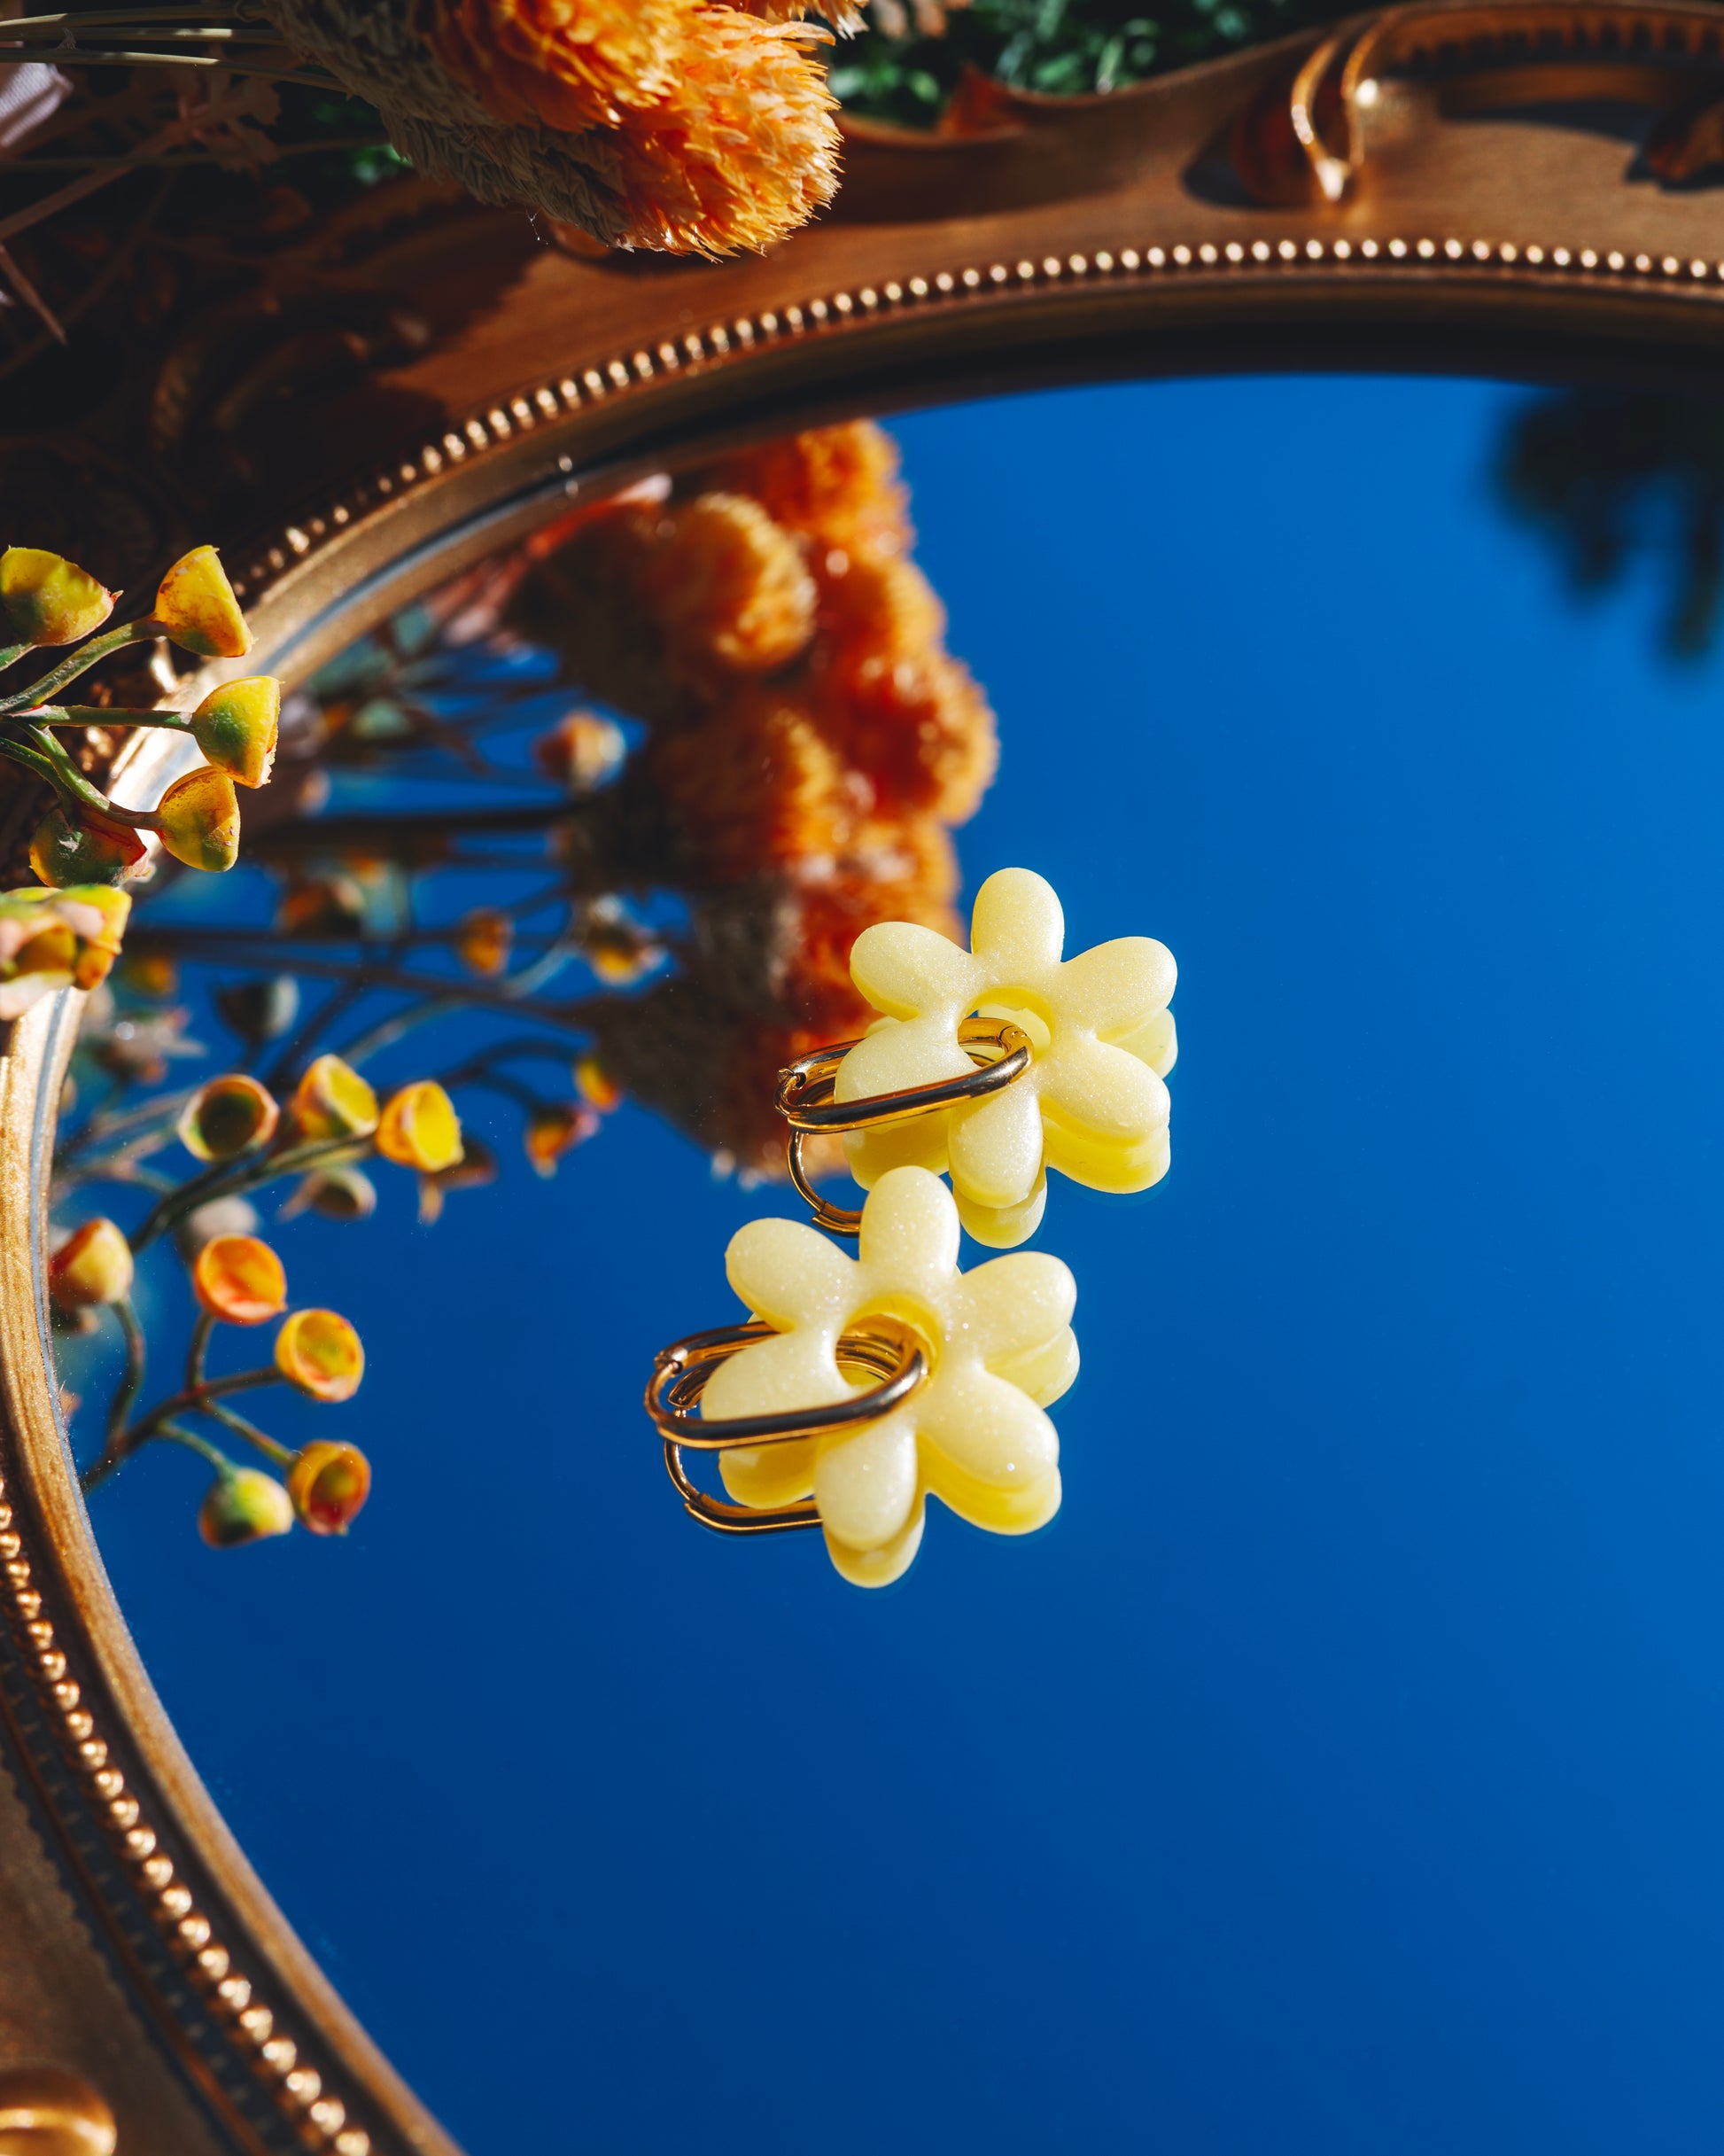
649 123
563 64
742 148
730 586
328 1485
239 1280
320 1353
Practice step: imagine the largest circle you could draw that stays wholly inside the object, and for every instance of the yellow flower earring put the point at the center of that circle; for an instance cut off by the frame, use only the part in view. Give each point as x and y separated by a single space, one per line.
860 1387
968 1363
1072 1054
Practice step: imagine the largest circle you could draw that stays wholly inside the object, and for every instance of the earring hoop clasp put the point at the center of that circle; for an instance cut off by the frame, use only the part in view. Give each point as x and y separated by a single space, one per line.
883 1349
804 1098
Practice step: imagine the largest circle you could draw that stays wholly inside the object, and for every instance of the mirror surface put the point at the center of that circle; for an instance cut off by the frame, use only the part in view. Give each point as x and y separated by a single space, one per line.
1338 1770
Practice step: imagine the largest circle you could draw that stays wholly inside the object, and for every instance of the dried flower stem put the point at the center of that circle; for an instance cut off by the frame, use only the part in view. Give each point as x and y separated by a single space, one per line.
81 660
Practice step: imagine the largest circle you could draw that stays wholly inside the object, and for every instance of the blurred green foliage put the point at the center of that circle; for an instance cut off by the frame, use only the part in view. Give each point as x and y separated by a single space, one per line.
1063 48
1611 477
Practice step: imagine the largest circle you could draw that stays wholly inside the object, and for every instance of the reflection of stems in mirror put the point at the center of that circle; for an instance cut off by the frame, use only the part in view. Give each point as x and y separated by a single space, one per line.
282 1455
123 1443
131 1382
224 1180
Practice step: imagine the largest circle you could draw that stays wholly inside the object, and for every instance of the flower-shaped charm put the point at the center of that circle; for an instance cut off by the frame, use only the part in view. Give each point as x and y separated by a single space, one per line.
999 1347
1092 1102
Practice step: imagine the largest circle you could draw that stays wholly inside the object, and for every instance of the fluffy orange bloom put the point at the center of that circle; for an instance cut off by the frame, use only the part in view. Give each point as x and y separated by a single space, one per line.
562 64
742 150
838 485
756 784
730 586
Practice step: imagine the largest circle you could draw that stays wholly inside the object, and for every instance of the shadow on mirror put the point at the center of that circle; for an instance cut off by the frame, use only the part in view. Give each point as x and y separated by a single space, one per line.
1312 1775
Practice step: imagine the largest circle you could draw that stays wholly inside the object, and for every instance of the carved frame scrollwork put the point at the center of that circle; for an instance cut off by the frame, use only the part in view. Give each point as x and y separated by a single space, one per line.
1393 195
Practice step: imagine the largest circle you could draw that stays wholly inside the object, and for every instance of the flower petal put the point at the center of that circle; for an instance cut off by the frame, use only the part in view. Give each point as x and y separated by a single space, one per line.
1155 1042
1046 1372
996 1146
1010 1306
1100 1093
1115 988
910 1231
789 1274
986 1428
879 1567
1018 928
769 1474
918 1051
905 970
1102 1164
1003 1227
771 1376
864 1484
919 1142
1001 1511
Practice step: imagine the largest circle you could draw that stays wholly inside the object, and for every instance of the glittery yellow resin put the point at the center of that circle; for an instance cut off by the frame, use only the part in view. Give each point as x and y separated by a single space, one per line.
1092 1103
1000 1347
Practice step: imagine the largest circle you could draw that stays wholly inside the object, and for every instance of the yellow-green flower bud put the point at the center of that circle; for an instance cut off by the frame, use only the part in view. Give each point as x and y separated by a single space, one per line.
199 818
239 1280
237 725
196 608
245 1505
420 1128
228 1117
336 1194
53 939
84 848
321 1353
328 1484
333 1100
93 1265
45 599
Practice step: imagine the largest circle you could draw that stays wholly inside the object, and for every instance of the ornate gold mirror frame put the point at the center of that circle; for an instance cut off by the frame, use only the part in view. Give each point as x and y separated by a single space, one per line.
1431 190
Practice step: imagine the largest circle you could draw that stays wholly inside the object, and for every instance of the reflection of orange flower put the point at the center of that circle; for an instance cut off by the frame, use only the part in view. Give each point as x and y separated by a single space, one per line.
320 1353
329 1485
240 1279
921 730
837 484
755 784
730 586
420 1128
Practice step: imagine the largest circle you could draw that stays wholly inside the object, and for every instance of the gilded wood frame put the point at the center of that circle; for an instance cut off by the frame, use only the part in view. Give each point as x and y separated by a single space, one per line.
1260 214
